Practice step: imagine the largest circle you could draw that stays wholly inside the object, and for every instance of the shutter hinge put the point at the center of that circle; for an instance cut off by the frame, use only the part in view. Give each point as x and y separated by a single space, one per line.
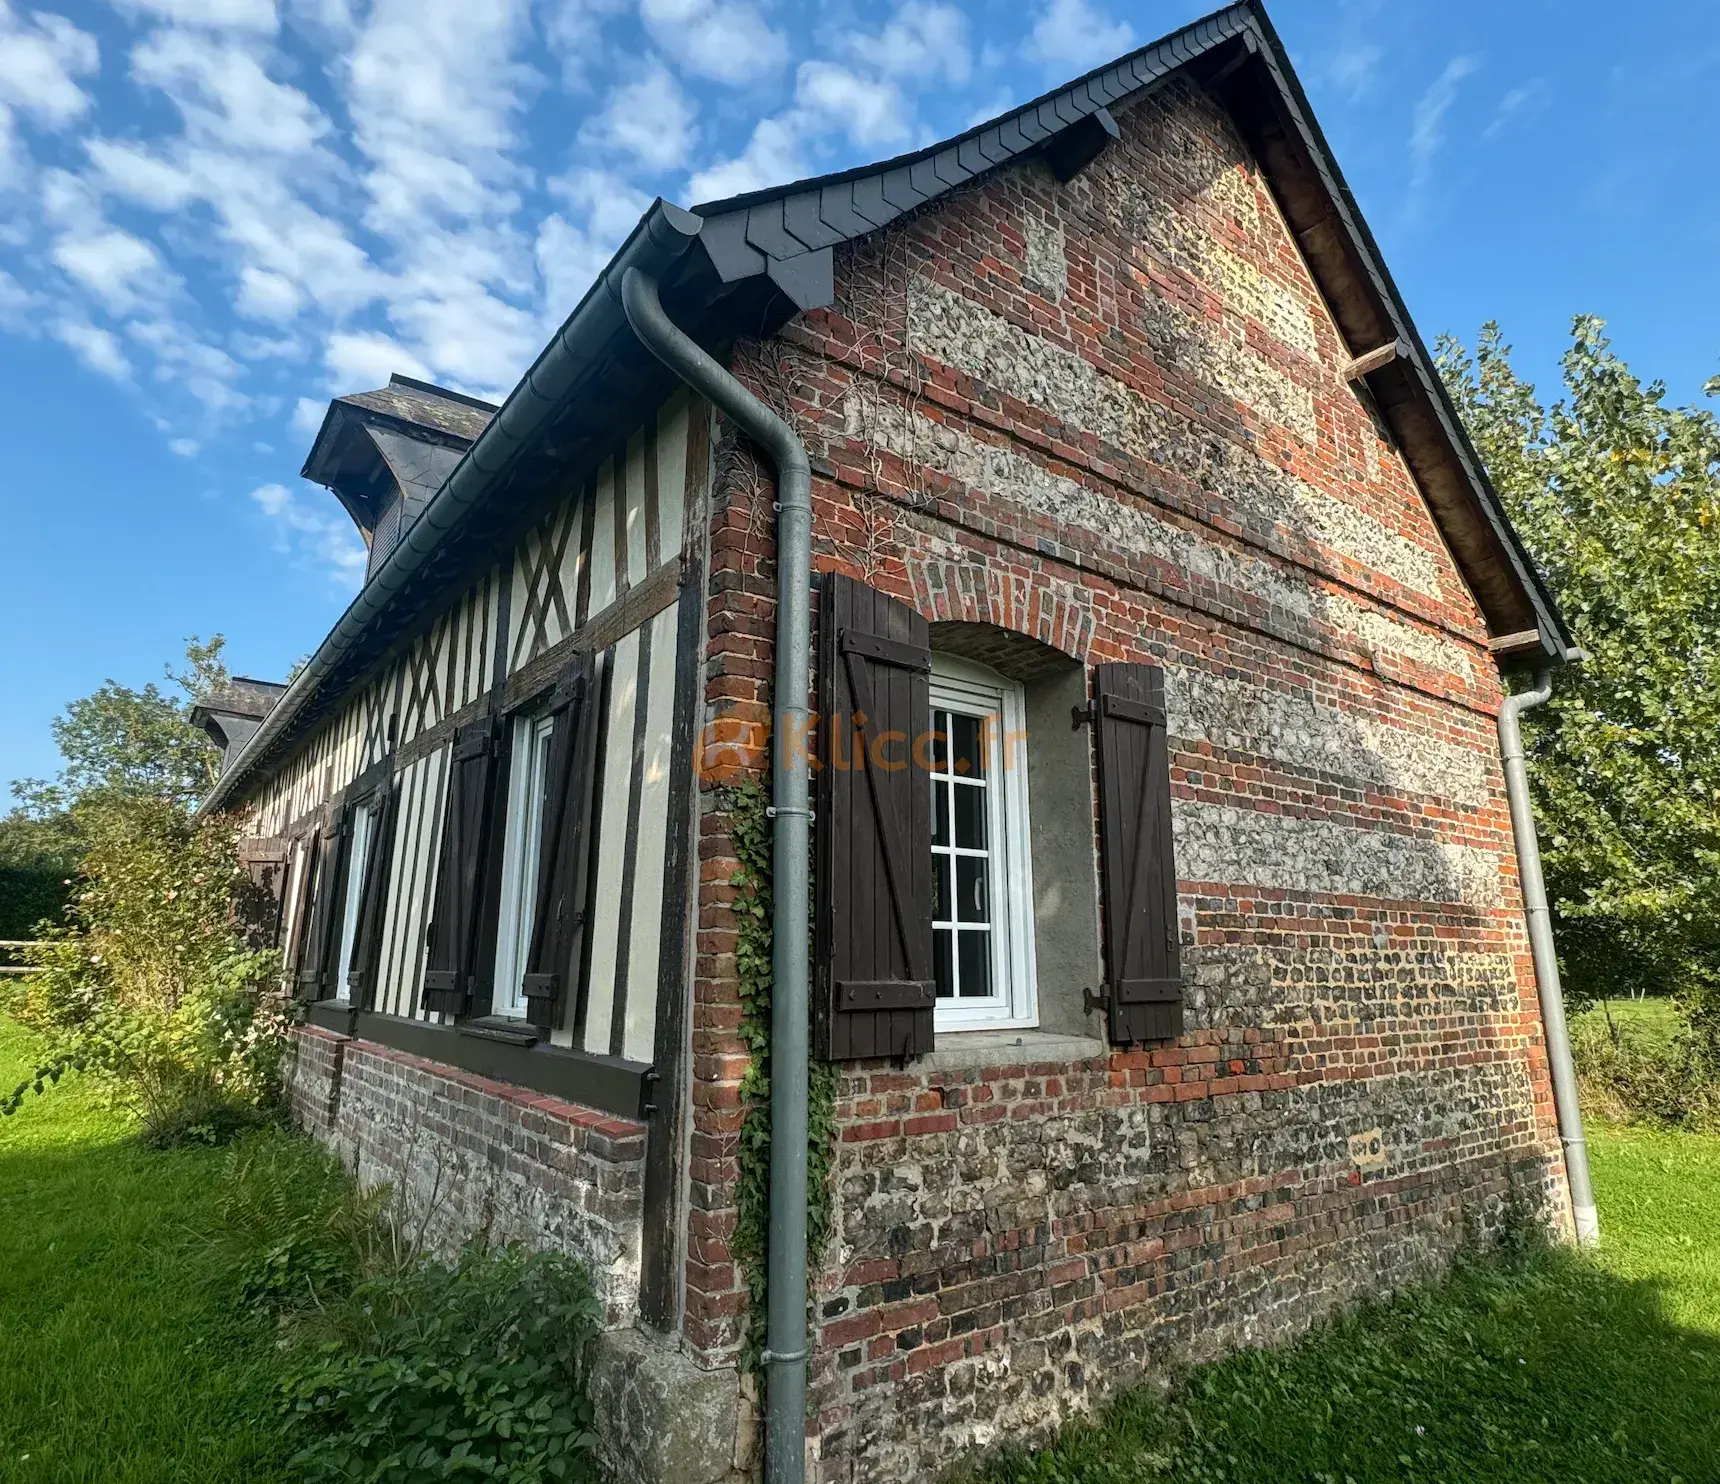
1081 716
1091 1002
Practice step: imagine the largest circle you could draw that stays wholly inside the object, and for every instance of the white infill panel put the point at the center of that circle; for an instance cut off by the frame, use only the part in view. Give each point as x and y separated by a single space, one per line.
671 477
612 844
648 842
636 495
603 542
420 828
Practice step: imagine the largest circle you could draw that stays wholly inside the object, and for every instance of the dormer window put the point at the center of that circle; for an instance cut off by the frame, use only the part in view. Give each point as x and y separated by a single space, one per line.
385 453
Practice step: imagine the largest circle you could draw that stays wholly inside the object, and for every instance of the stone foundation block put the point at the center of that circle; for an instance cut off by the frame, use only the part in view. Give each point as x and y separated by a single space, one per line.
660 1419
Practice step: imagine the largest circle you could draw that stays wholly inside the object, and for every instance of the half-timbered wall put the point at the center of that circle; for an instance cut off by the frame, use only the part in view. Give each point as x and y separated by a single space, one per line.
600 571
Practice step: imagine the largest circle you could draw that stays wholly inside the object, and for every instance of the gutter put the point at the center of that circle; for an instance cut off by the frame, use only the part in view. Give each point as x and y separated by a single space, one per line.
1546 958
785 1322
663 236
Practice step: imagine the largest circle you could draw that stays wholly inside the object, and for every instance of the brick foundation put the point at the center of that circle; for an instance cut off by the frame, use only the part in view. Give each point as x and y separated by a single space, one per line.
482 1158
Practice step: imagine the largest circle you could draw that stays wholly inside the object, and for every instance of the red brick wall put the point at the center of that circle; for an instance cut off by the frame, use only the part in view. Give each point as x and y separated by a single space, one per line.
473 1157
1109 415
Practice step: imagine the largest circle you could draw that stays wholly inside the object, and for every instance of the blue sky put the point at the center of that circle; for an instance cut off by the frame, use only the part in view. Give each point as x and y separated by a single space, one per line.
215 214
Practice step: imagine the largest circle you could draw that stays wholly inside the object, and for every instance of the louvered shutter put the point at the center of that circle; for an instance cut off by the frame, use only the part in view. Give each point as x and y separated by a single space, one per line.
460 862
316 971
373 899
875 985
302 899
1138 869
558 914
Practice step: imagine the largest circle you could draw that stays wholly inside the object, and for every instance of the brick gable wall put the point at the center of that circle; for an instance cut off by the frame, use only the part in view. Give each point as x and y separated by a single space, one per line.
1109 415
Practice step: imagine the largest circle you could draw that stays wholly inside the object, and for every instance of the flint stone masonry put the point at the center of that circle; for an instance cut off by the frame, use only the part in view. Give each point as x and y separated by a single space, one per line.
1245 847
1132 532
969 338
1032 409
1060 1232
473 1157
1290 728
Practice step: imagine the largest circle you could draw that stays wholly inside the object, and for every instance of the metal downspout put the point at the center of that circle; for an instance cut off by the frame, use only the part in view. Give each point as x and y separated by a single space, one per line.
1546 958
785 1333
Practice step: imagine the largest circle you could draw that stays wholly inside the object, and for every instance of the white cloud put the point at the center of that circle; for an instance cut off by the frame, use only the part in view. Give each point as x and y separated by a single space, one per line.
574 31
1427 132
358 362
224 94
772 157
95 347
649 119
571 253
870 112
131 171
1071 34
315 536
1517 103
186 448
726 40
308 414
121 270
39 64
219 15
185 361
920 40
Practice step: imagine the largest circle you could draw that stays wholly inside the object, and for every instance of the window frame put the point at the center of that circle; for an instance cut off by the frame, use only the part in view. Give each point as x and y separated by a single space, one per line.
973 689
532 737
361 824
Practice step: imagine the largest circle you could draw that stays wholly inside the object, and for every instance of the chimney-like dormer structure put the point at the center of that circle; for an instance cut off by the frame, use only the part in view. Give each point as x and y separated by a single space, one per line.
385 453
230 715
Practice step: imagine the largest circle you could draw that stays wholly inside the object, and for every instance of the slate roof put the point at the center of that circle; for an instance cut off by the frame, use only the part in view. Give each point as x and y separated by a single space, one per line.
745 265
424 405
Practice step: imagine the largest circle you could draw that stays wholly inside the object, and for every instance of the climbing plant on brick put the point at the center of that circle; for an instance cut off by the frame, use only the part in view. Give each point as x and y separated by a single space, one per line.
750 831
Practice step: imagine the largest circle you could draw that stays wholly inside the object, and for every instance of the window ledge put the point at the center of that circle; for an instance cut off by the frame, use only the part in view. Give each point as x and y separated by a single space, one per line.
500 1028
959 1049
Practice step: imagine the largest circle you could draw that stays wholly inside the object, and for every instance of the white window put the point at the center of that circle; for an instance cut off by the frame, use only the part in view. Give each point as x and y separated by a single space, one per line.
982 911
520 848
358 852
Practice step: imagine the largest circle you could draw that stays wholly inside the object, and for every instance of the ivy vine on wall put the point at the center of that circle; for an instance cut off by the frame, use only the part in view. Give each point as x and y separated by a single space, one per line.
750 830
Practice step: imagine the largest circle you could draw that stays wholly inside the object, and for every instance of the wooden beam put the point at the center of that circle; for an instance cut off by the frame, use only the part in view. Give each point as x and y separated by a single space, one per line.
1372 360
1513 643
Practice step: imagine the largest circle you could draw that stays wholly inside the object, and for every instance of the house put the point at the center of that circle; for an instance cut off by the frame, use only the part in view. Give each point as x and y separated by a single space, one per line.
1168 949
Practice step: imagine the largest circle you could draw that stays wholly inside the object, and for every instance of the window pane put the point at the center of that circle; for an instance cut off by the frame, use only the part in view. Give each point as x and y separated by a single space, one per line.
940 812
942 909
974 953
942 968
970 816
965 745
940 741
971 903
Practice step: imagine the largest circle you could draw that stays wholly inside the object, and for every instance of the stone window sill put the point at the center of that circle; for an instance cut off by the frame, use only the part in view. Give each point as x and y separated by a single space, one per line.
957 1050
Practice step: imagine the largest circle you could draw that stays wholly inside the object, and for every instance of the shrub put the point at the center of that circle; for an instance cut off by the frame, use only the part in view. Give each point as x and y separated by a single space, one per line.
150 984
434 1373
1630 1075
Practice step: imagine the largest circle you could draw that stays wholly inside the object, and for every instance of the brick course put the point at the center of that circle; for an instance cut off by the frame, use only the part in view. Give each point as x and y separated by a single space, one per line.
476 1157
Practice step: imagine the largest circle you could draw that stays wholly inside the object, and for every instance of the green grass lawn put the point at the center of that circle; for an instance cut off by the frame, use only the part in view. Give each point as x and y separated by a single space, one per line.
1656 1018
122 1360
1562 1368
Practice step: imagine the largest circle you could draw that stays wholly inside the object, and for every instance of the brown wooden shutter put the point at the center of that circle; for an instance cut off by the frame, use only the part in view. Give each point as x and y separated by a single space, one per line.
302 898
875 987
558 915
1138 868
373 899
316 980
261 896
460 863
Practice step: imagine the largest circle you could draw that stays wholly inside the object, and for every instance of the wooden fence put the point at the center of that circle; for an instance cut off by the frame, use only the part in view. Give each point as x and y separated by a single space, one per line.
9 950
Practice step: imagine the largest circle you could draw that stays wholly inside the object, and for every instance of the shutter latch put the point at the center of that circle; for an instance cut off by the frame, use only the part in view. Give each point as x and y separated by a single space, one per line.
647 1087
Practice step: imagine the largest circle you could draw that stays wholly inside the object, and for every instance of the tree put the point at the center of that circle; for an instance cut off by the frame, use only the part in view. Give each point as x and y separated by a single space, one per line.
118 744
1617 496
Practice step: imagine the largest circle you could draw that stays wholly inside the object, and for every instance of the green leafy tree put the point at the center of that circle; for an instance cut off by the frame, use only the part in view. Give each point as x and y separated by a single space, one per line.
1617 496
117 744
